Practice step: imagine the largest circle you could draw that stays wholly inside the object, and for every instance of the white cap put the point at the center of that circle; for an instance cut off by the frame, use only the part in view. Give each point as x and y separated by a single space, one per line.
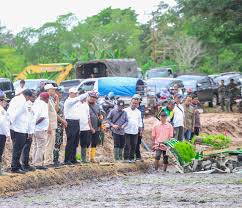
49 86
73 90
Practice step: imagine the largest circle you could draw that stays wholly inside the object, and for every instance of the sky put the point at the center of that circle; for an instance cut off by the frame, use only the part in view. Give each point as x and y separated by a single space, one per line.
18 14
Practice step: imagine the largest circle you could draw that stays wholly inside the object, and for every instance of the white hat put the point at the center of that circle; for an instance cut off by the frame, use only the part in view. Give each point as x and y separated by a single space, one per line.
49 86
73 90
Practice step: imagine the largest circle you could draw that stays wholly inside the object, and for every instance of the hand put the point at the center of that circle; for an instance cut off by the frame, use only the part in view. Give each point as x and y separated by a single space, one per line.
93 130
30 136
49 131
115 126
65 124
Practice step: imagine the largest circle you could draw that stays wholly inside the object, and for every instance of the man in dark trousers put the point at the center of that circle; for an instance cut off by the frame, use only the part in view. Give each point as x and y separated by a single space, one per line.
20 132
141 108
118 119
72 116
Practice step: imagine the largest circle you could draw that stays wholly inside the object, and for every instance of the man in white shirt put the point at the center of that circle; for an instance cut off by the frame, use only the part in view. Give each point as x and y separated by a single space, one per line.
72 116
40 109
85 129
4 127
21 88
18 115
132 129
178 119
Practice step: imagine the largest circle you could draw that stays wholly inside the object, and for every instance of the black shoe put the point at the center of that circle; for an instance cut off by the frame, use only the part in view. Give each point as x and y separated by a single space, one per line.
18 171
75 162
28 168
41 167
68 163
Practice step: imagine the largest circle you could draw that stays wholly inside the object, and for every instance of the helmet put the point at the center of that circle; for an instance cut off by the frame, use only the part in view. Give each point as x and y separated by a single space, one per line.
111 94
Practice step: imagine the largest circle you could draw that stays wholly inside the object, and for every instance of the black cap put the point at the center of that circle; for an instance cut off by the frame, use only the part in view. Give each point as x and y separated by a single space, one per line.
120 103
28 92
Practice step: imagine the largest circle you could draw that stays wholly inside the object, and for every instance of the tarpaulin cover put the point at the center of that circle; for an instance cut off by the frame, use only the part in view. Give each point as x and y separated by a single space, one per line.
120 86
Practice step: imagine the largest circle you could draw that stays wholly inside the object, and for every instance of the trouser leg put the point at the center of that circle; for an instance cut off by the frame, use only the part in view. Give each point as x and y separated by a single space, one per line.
18 140
72 133
187 134
94 142
48 155
179 133
85 137
133 144
116 141
26 151
2 145
58 143
127 146
40 140
137 152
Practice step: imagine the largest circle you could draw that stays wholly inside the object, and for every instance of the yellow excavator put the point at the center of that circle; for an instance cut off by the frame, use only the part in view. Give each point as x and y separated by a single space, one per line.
64 70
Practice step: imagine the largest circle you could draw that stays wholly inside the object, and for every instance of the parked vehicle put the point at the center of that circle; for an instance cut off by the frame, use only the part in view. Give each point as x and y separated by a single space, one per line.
107 68
34 84
202 86
158 72
67 84
7 87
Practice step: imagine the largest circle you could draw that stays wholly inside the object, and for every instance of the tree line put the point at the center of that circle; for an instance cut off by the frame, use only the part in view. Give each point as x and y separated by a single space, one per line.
199 36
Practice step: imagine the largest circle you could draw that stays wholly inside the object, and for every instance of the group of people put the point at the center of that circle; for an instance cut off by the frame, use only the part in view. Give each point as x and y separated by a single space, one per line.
227 95
179 119
37 122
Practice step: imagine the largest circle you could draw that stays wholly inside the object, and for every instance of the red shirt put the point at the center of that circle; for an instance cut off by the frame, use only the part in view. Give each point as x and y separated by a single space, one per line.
160 133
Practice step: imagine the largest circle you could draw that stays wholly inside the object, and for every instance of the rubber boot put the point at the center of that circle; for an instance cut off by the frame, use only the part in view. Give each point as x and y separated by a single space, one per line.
156 164
84 154
120 152
1 169
93 154
116 153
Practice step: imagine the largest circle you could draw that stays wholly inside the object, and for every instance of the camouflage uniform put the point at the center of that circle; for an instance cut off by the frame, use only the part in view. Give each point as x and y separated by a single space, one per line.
232 93
222 95
59 135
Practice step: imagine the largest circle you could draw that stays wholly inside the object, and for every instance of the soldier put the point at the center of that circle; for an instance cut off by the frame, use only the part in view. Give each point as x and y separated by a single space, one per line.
222 94
61 124
232 93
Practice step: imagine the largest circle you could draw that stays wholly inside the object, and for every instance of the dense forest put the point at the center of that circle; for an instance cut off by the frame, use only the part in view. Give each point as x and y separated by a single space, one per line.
195 35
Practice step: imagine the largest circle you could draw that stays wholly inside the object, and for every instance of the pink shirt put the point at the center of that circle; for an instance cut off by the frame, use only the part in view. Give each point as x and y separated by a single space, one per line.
160 133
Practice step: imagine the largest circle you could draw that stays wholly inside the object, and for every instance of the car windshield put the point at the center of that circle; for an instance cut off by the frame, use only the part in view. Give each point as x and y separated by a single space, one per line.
29 84
71 83
226 78
189 80
157 73
158 84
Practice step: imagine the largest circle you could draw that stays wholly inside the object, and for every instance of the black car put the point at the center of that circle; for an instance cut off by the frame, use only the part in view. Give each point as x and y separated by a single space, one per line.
202 86
6 86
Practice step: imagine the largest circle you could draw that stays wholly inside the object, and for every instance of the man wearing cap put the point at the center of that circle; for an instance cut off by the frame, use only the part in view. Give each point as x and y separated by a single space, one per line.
160 133
61 124
72 116
19 119
40 109
118 119
179 116
4 126
96 122
132 129
52 110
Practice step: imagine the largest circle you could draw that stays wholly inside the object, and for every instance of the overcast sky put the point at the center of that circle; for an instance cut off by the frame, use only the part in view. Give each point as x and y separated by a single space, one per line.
17 14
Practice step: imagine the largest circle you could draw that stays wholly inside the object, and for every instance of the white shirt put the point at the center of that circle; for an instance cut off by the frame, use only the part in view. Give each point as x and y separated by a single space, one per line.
4 123
18 115
84 117
72 107
179 116
19 90
40 109
134 121
31 117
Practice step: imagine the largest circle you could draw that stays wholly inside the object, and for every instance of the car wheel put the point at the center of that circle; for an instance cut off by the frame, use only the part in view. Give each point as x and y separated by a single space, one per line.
214 101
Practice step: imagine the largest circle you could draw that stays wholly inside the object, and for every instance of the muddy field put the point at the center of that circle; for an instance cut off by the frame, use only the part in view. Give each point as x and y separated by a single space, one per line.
153 189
